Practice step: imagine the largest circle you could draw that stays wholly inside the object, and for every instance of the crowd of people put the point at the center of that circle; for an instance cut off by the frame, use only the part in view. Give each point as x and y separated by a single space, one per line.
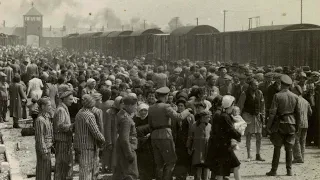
141 119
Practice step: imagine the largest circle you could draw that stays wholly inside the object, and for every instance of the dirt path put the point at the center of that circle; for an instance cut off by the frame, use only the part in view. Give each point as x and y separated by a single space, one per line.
253 170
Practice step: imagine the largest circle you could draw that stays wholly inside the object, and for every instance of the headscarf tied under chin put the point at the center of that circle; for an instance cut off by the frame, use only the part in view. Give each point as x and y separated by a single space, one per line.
141 107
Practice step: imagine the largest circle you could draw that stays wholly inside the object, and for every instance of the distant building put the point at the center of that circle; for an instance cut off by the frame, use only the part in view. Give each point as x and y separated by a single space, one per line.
33 32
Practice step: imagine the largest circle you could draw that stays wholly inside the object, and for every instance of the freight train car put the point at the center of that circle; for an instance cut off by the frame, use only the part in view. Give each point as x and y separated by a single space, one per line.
182 41
114 43
141 43
265 45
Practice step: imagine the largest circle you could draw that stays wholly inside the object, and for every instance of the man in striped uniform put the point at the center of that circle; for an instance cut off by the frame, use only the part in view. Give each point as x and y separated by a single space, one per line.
127 142
88 139
44 140
63 135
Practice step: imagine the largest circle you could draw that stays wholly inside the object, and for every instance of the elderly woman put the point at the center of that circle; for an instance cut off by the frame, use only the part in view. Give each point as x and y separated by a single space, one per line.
146 165
222 159
44 140
18 99
3 97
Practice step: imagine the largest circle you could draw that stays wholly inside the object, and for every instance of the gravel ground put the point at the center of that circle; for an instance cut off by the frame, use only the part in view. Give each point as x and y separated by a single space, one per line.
250 170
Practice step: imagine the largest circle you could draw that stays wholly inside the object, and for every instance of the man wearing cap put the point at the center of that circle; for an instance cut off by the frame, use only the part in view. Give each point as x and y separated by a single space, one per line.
63 134
251 103
160 115
9 72
284 122
300 140
240 86
127 141
177 79
88 140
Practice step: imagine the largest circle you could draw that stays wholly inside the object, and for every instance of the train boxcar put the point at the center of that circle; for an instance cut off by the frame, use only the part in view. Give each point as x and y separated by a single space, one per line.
102 40
114 43
69 42
160 46
182 41
141 42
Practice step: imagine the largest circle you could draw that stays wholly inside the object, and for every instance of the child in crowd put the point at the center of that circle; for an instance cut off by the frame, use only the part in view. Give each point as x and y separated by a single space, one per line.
197 144
33 109
239 124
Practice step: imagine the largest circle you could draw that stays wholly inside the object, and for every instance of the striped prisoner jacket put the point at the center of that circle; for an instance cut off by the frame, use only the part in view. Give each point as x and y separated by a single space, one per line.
87 133
62 124
43 133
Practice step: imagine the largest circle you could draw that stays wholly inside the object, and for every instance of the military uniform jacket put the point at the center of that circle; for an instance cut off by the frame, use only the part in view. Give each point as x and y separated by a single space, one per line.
127 139
43 134
159 119
87 134
284 112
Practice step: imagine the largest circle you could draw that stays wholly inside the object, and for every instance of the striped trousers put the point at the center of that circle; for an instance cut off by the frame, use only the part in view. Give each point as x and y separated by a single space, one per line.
43 168
64 161
88 166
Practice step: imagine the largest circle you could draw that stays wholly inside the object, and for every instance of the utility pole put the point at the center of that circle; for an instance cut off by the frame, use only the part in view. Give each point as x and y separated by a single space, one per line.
122 27
144 24
250 19
271 23
197 21
301 10
224 20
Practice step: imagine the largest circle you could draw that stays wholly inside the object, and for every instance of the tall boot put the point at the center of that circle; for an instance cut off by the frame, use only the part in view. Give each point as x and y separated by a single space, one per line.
289 161
275 161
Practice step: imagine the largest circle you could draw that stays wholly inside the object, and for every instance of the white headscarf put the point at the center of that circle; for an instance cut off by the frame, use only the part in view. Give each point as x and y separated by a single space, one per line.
141 107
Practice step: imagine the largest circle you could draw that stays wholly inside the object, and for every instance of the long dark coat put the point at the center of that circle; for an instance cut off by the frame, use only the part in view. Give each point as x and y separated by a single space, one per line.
221 158
17 94
146 164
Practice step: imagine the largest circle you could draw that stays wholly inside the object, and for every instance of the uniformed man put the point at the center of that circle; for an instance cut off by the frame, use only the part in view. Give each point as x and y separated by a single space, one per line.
160 115
283 124
127 142
88 139
63 135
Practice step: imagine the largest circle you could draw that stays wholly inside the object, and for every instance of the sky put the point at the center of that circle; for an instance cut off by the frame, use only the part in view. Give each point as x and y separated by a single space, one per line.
115 13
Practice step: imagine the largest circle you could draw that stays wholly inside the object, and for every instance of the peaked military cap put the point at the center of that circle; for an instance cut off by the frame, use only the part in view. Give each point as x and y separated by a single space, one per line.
286 79
163 90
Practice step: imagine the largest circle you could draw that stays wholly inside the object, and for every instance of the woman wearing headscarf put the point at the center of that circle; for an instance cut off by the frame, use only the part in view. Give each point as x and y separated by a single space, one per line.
180 134
90 87
110 134
146 164
222 159
3 97
18 99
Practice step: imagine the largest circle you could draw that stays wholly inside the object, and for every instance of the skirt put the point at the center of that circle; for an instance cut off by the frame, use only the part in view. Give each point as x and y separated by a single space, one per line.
254 123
